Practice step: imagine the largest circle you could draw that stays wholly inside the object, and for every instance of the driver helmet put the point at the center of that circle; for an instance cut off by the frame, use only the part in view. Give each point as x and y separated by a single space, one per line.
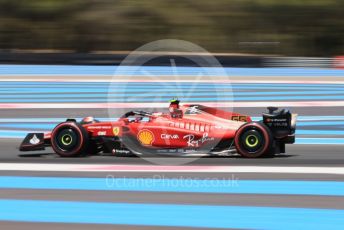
88 120
174 108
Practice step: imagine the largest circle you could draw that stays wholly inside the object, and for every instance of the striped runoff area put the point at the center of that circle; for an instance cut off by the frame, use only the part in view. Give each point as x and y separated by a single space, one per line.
164 200
159 92
156 197
34 70
66 93
78 94
319 188
198 216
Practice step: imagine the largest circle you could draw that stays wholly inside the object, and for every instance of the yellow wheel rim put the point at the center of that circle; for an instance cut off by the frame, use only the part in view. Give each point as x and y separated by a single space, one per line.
249 139
66 139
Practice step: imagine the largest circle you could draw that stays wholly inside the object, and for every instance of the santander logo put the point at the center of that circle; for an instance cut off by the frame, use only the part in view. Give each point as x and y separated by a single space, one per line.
34 140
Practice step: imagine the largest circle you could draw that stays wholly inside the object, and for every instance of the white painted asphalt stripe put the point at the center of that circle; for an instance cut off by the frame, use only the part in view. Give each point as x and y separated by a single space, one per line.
160 168
262 104
215 80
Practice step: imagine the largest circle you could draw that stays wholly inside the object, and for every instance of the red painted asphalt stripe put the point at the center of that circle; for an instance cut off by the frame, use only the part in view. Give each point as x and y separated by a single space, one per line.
163 105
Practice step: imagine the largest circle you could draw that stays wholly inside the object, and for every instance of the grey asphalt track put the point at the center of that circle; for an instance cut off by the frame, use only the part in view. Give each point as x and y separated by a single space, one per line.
34 113
296 155
331 202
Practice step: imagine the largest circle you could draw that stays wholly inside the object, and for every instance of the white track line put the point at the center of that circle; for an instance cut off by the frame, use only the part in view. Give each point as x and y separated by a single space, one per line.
160 168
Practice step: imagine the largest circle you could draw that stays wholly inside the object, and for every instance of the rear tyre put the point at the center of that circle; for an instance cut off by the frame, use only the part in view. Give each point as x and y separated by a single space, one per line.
69 139
253 140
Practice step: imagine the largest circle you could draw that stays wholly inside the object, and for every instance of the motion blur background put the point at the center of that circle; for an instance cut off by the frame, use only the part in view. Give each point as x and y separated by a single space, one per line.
293 27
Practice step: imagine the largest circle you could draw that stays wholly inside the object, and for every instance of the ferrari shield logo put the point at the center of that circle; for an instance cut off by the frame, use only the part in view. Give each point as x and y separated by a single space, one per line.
115 131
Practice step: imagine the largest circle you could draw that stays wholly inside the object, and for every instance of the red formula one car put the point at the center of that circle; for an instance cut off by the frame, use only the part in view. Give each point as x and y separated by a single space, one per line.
185 130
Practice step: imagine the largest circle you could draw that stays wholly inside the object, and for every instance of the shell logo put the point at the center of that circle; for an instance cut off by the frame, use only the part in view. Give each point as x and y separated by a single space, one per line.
146 137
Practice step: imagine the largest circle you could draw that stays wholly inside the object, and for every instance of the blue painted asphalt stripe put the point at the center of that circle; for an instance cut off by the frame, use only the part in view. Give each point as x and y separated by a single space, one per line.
152 84
181 84
173 85
319 141
319 123
319 118
321 188
164 94
45 119
198 216
76 83
14 133
131 89
319 132
314 120
163 70
160 89
34 126
303 123
111 95
164 99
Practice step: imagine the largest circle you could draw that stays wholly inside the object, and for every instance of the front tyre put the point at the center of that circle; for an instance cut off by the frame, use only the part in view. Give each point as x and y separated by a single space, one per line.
253 140
69 139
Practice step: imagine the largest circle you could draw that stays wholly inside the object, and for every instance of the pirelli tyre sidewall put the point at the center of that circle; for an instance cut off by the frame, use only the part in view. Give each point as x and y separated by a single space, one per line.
253 140
69 139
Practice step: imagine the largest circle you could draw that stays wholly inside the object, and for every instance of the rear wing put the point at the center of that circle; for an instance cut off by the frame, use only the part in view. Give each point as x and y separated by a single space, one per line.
282 123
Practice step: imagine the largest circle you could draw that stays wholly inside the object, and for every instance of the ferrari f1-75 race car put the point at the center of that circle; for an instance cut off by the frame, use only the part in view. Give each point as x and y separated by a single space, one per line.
183 131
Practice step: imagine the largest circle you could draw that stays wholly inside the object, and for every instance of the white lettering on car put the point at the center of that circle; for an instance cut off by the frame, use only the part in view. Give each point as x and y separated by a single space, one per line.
101 133
195 143
99 127
169 136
